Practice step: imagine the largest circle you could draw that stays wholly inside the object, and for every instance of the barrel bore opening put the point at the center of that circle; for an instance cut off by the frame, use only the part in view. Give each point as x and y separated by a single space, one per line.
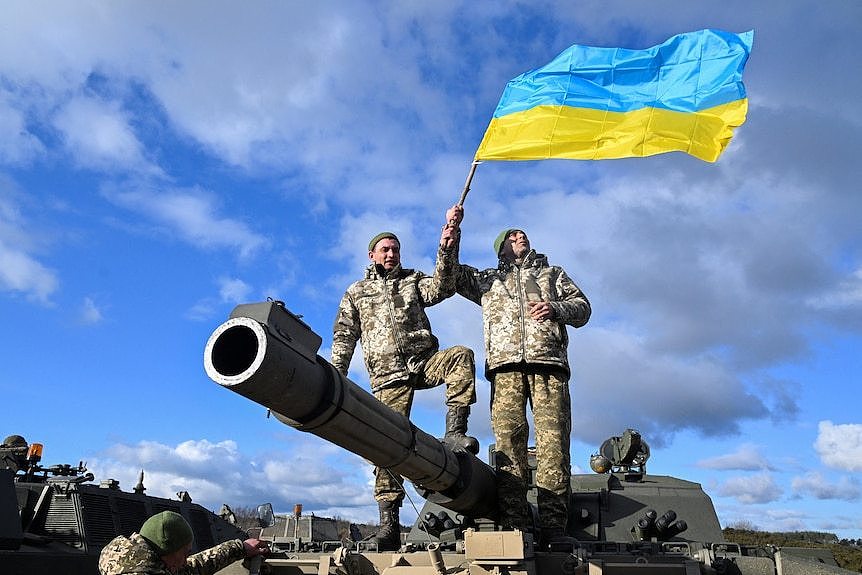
234 351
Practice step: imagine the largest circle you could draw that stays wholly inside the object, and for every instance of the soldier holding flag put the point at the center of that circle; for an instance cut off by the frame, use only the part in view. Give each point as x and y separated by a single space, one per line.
526 305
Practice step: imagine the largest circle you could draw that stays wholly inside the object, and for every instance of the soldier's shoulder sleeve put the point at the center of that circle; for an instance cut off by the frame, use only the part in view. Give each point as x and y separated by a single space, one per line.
214 559
441 285
345 331
572 306
109 558
127 556
468 282
434 289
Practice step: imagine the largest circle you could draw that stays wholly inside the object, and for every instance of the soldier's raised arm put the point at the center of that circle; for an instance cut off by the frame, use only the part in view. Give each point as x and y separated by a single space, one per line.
455 215
441 285
466 277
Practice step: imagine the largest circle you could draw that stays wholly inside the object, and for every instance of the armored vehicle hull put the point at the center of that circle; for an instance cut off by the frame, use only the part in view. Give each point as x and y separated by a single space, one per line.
52 521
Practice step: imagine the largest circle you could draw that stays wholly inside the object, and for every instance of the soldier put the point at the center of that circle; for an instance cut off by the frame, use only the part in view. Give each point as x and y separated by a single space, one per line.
526 305
385 312
13 453
163 546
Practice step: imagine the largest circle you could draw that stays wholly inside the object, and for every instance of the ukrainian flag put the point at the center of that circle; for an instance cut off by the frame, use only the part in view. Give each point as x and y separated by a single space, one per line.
598 103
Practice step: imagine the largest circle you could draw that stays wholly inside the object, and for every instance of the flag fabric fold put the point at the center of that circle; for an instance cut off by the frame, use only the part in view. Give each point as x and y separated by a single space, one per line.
599 103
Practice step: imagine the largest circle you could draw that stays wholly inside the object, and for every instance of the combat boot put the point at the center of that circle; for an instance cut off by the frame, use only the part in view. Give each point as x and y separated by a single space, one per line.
456 429
388 537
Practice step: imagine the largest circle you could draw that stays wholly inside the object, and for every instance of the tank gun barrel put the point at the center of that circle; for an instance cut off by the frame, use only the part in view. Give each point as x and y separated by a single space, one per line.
268 355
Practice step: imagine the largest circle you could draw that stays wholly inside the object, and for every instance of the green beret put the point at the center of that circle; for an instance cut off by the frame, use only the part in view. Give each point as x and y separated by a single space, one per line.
498 243
380 236
168 531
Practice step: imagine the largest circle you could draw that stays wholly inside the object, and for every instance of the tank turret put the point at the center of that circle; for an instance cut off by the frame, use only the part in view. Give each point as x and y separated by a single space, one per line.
622 520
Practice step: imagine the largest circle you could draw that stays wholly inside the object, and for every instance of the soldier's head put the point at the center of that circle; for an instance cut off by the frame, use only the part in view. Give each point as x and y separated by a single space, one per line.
169 533
512 244
13 453
384 250
14 441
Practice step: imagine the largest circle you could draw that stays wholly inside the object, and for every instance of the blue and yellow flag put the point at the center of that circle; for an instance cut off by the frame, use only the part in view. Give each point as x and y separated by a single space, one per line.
598 103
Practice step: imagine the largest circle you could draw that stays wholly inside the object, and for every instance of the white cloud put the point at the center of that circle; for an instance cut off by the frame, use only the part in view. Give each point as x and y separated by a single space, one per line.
747 458
17 144
191 215
20 272
847 294
758 488
309 471
90 312
771 518
330 99
842 301
20 269
815 485
619 383
202 310
840 446
204 452
98 135
233 290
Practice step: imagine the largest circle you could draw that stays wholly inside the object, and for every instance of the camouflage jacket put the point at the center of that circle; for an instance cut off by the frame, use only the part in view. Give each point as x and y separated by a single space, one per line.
134 555
386 314
511 335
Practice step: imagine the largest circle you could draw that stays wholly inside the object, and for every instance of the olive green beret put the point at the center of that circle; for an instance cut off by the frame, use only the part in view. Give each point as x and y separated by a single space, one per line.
380 236
168 531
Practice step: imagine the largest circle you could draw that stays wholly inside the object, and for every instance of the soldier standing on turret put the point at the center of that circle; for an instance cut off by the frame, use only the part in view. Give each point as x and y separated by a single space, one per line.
526 305
385 312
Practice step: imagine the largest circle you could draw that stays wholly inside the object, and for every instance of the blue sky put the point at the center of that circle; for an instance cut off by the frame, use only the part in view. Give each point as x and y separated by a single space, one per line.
162 162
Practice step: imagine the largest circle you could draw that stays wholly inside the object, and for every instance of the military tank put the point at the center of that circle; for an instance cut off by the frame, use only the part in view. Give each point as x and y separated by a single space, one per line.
622 520
55 519
299 533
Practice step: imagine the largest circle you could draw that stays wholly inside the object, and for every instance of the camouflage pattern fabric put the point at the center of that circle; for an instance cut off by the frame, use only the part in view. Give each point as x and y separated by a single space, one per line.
511 336
456 368
548 394
134 555
385 312
527 360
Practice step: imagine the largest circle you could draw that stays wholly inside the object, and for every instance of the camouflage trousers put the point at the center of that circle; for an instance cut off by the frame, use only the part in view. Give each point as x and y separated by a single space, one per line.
454 367
548 394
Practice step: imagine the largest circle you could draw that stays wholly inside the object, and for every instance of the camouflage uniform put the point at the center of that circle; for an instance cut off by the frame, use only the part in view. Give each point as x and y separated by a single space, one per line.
385 312
135 555
527 360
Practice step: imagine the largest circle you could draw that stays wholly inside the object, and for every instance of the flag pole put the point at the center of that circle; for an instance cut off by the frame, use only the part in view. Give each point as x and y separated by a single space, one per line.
467 183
